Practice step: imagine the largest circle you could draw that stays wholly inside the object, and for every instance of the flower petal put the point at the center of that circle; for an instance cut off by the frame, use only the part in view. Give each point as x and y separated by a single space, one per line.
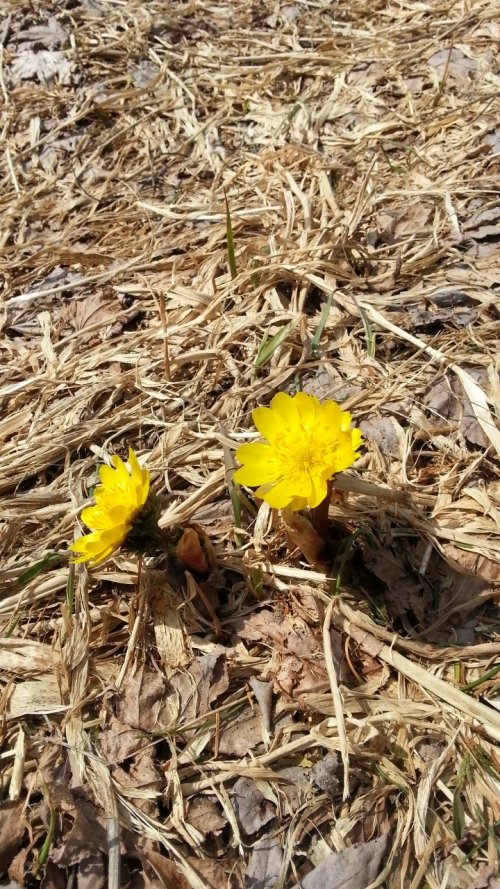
265 421
258 461
278 495
319 489
307 408
285 411
122 475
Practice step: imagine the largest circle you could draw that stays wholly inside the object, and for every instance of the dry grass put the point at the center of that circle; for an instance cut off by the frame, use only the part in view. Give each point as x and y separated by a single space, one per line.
357 146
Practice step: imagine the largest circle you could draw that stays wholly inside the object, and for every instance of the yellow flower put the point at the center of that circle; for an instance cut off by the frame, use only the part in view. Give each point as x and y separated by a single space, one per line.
119 499
307 442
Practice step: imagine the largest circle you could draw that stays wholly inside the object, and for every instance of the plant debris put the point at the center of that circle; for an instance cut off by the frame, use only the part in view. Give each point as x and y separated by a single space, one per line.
204 205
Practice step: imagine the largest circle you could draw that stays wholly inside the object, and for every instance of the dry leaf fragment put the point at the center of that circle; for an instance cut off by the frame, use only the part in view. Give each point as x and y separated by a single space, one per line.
323 773
263 692
204 813
456 64
352 868
47 66
252 809
11 831
264 864
447 400
484 224
240 735
211 677
85 840
142 700
213 876
387 433
167 872
97 309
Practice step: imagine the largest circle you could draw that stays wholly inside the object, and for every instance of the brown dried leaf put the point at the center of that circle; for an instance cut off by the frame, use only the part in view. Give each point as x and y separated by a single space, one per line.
11 831
457 65
142 699
118 741
298 649
264 696
240 735
252 809
214 876
484 224
323 773
54 877
167 872
99 308
386 432
211 676
92 873
471 563
264 864
349 869
446 400
403 593
204 814
85 840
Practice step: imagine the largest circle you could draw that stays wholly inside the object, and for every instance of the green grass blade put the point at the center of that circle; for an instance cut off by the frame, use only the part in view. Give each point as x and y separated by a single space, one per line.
322 321
231 256
269 346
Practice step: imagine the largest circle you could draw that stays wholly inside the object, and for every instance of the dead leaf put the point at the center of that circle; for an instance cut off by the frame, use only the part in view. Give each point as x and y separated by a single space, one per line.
98 309
141 700
294 785
240 735
86 838
92 873
145 778
119 741
47 66
11 831
387 433
486 879
485 223
264 696
492 140
298 649
211 676
54 877
446 400
204 813
328 383
324 774
458 66
398 223
351 868
264 864
214 876
253 811
169 876
403 592
471 563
